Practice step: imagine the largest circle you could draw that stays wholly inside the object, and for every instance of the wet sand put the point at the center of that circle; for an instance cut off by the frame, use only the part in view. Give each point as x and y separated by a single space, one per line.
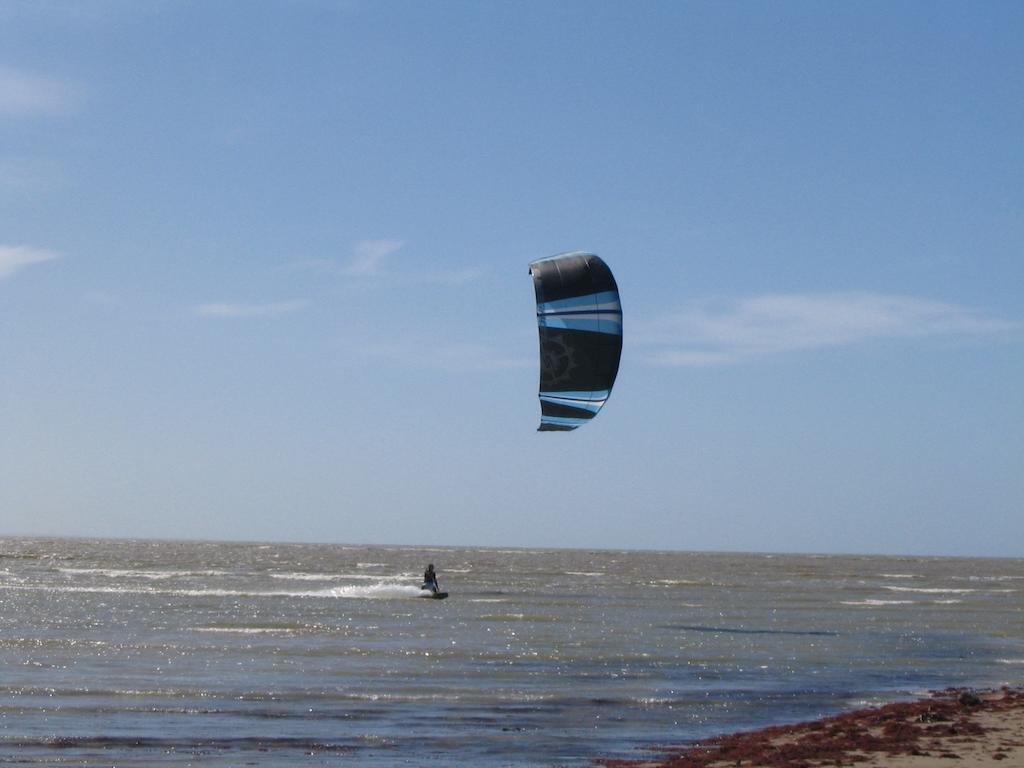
952 727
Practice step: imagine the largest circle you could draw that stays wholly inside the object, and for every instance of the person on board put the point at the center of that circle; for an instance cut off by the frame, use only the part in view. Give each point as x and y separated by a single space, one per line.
430 579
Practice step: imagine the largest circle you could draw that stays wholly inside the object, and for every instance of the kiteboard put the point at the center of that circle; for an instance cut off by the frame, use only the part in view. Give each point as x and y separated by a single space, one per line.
427 589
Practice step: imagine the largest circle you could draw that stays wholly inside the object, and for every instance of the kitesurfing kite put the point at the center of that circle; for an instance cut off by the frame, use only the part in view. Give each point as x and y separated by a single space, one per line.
579 319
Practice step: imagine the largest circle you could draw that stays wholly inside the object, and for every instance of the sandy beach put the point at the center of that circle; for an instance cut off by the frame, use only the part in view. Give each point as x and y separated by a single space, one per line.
973 728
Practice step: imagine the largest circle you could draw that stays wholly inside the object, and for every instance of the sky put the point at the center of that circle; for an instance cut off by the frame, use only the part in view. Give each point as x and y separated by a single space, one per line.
263 272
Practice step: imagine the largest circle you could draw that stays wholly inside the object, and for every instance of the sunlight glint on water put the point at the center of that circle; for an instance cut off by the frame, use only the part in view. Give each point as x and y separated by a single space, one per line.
132 653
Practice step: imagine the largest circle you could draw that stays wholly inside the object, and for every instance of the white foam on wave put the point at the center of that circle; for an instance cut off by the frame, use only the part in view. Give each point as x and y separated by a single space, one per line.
118 573
133 590
301 576
944 590
453 695
899 575
872 602
880 701
245 630
309 576
1010 661
380 590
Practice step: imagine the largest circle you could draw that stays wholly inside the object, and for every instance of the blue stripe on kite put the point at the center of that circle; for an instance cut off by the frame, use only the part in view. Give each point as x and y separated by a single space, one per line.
611 325
565 420
581 404
597 394
577 302
611 314
572 312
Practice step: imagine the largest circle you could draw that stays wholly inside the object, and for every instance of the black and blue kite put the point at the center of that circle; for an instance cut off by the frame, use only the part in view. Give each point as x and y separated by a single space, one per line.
579 319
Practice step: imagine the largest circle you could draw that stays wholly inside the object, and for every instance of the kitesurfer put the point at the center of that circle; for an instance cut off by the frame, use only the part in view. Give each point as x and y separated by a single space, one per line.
430 579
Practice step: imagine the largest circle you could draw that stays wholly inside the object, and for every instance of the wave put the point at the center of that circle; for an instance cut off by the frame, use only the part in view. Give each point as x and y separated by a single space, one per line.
290 576
247 630
944 590
118 573
871 602
899 576
744 631
302 576
381 590
229 744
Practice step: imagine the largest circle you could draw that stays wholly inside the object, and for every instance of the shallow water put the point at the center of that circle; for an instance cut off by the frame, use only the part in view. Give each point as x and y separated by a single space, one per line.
182 653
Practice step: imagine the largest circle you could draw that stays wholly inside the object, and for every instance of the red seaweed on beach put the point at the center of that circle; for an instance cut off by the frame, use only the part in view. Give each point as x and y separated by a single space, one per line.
901 728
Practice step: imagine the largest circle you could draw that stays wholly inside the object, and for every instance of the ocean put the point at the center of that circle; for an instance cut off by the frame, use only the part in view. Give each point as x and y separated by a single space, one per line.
141 653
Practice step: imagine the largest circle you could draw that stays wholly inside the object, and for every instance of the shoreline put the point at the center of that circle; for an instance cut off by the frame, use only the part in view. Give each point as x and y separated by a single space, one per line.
973 728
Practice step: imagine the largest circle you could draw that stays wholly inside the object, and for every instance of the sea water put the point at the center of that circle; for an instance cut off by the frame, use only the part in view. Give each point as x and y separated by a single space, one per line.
138 653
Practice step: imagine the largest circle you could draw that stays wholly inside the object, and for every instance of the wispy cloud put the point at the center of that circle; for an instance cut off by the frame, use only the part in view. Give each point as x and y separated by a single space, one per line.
26 94
16 257
368 257
715 332
226 309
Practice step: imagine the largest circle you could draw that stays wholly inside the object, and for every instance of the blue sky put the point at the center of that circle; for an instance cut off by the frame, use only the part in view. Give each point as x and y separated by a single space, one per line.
263 272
